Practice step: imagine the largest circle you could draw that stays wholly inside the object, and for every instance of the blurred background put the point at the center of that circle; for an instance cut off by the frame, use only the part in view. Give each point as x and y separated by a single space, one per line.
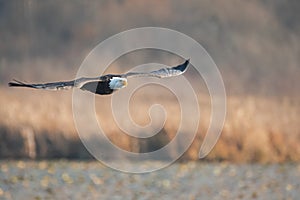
255 44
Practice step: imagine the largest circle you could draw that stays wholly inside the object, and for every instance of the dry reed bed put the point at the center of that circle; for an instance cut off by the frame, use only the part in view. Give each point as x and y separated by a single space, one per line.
39 124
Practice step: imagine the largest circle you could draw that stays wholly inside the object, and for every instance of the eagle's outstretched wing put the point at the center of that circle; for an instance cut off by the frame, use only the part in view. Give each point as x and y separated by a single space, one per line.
97 85
62 85
161 73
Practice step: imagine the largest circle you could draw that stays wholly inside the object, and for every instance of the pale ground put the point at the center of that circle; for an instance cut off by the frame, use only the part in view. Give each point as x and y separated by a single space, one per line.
193 180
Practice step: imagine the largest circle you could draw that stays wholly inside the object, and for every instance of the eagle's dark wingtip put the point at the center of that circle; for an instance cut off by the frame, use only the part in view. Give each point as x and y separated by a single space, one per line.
187 61
16 83
13 84
183 66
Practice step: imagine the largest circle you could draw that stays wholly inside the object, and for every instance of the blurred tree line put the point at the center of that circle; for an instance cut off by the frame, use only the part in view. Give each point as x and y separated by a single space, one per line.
254 43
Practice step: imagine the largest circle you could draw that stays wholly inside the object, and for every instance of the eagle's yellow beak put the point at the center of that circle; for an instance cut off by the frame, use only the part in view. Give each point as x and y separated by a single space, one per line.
124 82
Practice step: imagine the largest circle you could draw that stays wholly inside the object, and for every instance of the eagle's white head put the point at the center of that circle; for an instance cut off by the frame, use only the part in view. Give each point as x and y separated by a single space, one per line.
117 83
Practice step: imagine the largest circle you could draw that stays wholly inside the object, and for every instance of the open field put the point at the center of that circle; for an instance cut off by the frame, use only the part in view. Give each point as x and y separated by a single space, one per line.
191 180
40 125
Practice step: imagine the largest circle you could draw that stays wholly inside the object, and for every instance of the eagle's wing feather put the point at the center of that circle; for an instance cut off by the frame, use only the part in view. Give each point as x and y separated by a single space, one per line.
47 86
161 73
62 85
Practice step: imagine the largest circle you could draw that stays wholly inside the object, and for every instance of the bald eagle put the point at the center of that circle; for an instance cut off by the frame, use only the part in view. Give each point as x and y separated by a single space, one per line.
104 85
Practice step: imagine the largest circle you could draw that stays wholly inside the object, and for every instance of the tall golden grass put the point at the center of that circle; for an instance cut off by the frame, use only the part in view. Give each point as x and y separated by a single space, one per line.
39 124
